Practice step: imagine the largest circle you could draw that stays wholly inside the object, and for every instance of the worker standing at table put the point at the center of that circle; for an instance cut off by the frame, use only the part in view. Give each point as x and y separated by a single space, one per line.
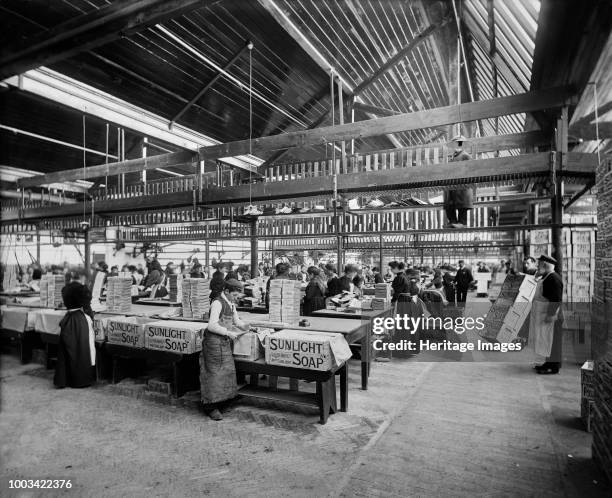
217 282
217 369
76 354
315 291
400 286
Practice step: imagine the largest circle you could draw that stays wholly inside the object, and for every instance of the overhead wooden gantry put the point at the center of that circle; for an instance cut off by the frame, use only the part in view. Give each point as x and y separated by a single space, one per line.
557 165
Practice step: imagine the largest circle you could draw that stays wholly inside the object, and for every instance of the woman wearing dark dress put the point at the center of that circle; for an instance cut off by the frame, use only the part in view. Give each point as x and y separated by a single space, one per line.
76 352
315 291
333 282
400 286
378 279
217 369
400 282
157 287
410 304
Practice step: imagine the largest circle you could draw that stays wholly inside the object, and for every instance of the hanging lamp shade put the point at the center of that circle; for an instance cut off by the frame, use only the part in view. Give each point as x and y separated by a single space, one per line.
459 138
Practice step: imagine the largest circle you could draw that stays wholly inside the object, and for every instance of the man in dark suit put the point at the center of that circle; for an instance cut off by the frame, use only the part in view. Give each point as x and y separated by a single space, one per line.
551 293
463 279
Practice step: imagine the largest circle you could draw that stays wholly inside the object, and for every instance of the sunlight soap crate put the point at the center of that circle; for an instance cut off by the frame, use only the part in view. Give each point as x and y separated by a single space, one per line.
174 336
127 330
306 349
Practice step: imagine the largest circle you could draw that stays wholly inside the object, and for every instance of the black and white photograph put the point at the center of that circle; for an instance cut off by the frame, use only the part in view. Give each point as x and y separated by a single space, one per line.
306 248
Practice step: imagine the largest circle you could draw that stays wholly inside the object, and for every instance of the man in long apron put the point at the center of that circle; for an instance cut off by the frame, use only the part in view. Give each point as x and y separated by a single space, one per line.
545 325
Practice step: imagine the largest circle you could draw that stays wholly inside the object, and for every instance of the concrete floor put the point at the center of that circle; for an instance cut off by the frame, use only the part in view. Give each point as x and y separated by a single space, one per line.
422 429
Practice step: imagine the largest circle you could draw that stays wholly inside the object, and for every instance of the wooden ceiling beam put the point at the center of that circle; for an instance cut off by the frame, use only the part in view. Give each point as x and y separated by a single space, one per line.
430 118
436 46
472 171
569 42
247 46
89 31
415 42
109 169
373 109
496 59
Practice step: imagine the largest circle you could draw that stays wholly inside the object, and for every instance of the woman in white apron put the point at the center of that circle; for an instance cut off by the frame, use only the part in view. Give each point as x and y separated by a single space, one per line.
545 311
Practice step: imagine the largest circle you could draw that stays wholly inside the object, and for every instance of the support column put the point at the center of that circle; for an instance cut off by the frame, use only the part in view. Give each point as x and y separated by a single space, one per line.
254 249
339 248
380 252
38 246
122 176
557 198
145 144
207 257
87 256
341 116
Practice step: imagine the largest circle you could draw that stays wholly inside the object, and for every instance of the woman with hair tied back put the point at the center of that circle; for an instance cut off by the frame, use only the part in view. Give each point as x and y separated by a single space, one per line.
315 291
400 282
217 369
401 288
157 288
411 305
217 282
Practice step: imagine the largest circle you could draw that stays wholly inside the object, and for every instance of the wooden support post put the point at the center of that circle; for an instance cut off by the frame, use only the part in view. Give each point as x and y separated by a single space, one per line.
207 257
254 253
87 255
380 252
143 176
341 116
557 200
122 176
339 248
38 246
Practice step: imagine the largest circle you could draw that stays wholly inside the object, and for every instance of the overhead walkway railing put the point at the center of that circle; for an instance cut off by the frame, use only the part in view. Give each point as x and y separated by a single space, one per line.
365 173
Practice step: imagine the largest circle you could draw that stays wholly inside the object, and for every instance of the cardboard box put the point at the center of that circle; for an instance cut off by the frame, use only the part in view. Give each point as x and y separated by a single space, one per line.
538 237
512 309
174 336
306 349
127 330
100 324
248 347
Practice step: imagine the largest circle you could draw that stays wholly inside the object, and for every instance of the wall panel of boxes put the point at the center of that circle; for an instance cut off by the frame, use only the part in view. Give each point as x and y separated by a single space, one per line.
602 365
578 246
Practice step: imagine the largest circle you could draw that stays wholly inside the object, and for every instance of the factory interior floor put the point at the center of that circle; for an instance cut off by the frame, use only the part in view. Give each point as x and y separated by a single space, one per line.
421 429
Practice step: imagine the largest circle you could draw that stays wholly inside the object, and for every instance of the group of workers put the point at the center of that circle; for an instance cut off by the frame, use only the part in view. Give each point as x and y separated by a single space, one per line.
76 354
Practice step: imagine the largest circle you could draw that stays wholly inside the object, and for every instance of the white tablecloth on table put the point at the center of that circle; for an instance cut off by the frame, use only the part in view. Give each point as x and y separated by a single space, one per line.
48 321
14 318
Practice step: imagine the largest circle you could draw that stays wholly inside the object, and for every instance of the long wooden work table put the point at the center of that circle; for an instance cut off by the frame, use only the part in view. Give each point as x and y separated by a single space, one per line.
356 328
